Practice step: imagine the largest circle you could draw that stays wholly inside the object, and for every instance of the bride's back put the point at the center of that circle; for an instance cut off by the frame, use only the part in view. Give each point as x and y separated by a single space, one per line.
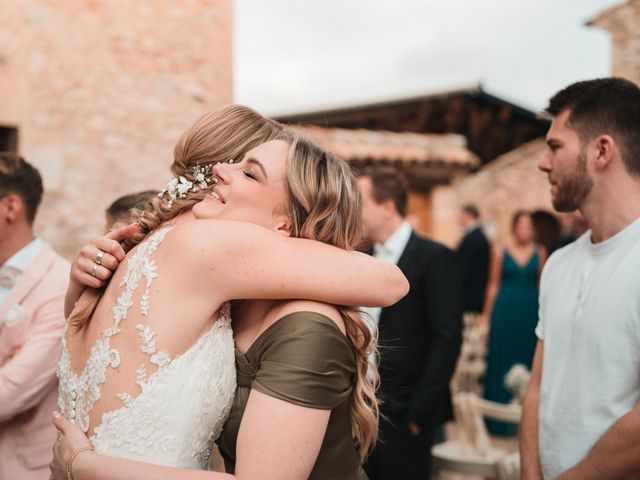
151 375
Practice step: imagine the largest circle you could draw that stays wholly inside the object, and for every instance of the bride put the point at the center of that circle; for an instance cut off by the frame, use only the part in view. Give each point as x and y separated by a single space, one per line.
149 373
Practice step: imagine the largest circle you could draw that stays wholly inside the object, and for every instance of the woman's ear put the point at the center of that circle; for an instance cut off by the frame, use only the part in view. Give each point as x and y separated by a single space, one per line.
283 227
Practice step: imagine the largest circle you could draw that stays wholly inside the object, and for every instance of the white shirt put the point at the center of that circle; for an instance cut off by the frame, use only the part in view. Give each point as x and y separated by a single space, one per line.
590 324
20 261
471 226
390 251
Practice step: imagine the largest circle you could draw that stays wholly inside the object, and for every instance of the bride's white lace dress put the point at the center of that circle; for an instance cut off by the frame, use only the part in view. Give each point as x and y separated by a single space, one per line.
180 407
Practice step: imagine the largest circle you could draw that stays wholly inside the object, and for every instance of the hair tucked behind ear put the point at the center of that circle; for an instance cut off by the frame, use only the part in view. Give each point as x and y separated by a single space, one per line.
324 204
219 136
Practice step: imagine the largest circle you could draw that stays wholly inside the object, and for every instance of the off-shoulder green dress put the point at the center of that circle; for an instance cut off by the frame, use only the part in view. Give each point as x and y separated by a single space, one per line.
304 359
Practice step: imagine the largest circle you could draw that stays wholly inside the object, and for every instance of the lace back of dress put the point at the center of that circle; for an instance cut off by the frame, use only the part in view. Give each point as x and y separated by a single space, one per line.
141 271
79 393
174 407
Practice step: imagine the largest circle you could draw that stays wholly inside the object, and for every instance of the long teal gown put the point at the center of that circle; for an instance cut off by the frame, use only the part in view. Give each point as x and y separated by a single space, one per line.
512 336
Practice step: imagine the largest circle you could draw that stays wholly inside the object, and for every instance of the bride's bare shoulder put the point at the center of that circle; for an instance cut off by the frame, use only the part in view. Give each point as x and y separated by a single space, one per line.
213 238
205 246
202 229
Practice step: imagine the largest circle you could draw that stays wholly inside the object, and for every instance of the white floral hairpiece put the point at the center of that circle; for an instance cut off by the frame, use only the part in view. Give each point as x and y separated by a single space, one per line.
179 186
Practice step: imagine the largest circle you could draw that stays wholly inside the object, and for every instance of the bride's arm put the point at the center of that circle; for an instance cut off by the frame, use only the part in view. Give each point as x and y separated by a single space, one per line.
255 262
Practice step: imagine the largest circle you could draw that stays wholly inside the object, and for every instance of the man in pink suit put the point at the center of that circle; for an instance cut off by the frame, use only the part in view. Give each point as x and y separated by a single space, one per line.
33 280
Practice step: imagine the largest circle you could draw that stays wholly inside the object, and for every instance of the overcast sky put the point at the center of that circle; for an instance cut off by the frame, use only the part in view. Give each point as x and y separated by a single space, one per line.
301 55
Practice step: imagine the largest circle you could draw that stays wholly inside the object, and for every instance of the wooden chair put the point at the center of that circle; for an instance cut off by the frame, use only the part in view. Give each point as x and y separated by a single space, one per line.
509 467
471 364
473 453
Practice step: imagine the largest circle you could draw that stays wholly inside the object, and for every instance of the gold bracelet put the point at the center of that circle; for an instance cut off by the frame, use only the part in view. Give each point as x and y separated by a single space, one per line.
73 457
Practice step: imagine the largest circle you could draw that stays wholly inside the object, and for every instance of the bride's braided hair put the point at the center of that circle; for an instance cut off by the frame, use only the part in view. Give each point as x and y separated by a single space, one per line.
219 136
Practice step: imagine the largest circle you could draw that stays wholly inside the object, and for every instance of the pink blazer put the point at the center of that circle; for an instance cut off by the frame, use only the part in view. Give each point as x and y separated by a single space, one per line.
31 319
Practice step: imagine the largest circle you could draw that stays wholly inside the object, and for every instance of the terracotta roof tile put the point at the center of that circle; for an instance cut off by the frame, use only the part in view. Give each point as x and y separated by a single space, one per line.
384 146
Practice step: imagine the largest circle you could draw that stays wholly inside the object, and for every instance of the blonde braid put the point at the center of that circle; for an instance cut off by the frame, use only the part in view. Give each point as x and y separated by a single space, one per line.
220 136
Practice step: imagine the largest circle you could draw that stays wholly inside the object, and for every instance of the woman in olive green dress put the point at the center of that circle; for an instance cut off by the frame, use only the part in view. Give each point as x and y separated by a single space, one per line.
305 406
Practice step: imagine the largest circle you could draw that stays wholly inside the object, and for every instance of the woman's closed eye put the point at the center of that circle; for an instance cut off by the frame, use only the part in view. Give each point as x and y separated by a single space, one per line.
250 175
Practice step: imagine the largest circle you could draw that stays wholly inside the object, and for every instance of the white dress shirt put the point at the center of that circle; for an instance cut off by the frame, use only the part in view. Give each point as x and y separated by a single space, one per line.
471 226
20 261
389 251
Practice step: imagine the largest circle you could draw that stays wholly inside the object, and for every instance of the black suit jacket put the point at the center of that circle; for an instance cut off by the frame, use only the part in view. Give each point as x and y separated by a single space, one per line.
420 336
474 253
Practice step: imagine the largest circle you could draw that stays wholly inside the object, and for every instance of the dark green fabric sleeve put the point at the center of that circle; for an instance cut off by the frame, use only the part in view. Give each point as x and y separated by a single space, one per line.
305 360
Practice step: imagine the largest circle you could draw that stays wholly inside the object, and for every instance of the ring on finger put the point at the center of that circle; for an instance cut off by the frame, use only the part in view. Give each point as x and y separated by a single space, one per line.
99 256
93 270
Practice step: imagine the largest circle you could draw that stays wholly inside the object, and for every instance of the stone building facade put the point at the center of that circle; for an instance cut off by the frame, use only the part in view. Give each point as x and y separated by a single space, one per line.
95 93
623 22
511 182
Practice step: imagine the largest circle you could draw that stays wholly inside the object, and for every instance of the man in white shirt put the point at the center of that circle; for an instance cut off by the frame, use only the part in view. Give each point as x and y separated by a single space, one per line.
419 336
581 415
33 281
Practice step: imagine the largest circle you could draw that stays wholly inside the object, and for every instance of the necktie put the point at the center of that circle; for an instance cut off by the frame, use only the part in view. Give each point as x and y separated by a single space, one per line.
8 276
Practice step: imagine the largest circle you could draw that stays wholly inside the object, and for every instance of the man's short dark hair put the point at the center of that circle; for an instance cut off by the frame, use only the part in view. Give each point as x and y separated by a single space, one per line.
18 177
604 106
387 183
120 209
471 210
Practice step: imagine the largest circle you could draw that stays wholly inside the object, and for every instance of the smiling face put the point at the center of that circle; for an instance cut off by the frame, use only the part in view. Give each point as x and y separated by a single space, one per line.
253 190
565 164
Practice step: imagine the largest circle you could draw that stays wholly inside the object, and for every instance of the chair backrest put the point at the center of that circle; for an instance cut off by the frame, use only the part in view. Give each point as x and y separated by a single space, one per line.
464 418
471 363
511 412
470 412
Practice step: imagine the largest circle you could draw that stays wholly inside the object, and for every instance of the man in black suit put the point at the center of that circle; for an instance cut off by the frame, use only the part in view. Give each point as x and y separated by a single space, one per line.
419 336
474 252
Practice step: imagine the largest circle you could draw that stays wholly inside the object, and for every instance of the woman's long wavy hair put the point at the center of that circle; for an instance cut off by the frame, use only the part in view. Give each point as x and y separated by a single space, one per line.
324 204
219 136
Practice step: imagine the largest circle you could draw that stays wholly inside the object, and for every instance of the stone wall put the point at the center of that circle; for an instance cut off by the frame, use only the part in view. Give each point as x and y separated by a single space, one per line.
509 183
623 22
100 91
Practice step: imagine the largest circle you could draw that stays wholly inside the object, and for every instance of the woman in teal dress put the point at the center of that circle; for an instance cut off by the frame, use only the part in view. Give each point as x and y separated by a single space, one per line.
512 306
